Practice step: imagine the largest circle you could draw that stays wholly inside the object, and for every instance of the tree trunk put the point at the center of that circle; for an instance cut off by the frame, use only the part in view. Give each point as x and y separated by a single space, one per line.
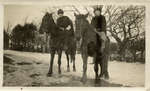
122 56
121 52
142 56
134 55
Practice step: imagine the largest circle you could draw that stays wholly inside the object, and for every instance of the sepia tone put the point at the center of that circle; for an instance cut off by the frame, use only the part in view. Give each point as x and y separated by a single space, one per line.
28 45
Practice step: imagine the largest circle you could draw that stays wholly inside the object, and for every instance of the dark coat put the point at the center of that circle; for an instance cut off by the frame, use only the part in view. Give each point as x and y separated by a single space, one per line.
64 22
99 22
67 37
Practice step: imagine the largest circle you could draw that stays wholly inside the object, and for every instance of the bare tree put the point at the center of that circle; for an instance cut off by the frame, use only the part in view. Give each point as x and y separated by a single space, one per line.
124 24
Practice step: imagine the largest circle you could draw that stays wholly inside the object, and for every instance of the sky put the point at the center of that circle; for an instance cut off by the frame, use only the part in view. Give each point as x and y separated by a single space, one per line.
18 14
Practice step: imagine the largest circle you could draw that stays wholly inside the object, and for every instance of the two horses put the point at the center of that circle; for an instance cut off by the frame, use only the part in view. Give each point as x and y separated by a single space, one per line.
84 32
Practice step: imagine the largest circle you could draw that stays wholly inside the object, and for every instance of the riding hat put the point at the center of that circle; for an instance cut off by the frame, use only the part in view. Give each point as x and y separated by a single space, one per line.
97 9
60 11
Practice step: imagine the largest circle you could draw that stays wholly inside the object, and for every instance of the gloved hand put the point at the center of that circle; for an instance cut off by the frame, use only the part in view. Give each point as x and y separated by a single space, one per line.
62 28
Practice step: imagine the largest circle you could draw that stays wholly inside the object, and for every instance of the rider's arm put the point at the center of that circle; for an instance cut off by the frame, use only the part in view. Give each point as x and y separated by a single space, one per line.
103 29
70 25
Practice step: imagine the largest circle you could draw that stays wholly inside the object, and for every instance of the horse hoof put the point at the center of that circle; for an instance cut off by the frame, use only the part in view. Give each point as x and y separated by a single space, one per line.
49 74
100 76
107 77
83 80
97 81
68 70
74 70
59 72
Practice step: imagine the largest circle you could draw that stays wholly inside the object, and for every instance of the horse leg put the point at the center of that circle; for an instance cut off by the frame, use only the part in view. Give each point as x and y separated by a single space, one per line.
73 59
96 68
68 67
51 64
106 75
102 68
59 61
84 75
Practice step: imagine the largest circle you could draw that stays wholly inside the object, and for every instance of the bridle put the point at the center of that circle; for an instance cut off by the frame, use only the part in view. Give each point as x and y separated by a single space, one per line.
80 25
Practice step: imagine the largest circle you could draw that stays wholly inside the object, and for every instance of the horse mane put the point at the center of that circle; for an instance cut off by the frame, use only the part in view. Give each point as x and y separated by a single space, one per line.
88 31
89 26
87 34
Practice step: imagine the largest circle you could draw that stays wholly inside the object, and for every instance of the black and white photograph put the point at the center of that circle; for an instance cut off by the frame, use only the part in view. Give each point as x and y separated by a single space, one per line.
74 45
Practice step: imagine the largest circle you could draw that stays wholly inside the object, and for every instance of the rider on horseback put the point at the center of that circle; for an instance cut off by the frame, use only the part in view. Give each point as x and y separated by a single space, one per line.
66 26
99 24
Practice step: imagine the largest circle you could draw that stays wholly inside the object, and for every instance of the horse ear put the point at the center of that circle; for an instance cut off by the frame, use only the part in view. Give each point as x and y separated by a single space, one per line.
86 15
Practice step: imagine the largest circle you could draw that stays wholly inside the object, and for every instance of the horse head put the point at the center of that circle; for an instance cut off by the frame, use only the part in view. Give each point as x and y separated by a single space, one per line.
80 22
48 23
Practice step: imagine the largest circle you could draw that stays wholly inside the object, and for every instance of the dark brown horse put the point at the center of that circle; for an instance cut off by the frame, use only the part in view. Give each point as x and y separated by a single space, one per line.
85 32
59 41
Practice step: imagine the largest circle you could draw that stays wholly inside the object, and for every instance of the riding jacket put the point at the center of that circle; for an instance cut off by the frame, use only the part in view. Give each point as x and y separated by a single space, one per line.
64 22
99 23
